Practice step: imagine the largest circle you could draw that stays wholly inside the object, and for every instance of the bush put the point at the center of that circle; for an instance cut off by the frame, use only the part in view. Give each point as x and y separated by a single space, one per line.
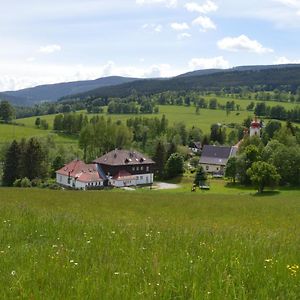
36 182
17 183
25 183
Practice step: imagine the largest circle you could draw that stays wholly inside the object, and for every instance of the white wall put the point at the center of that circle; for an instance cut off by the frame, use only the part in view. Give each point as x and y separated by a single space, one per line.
212 168
141 179
76 184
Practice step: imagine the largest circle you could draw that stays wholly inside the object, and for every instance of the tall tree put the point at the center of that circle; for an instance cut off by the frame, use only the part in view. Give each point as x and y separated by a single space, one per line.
175 165
160 157
263 174
11 170
7 112
231 168
33 160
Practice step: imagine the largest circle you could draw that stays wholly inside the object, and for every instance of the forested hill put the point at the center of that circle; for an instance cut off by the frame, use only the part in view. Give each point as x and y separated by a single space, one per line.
52 92
270 77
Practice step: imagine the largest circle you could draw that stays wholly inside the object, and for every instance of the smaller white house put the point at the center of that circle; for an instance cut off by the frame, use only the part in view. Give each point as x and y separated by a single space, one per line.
78 175
214 158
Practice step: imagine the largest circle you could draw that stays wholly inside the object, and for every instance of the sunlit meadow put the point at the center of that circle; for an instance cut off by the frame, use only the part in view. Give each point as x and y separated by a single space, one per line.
148 245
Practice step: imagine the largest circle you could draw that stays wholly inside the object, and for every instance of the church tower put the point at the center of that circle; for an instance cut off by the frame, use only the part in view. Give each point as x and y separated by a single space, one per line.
255 128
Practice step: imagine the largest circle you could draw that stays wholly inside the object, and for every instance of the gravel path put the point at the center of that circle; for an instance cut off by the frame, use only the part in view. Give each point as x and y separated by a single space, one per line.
166 186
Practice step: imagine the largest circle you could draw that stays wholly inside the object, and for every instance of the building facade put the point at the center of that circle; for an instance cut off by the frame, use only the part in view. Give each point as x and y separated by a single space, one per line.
127 168
78 175
214 158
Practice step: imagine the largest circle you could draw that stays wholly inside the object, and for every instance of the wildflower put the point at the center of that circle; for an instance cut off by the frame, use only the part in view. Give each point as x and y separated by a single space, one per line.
116 273
293 269
54 246
71 261
113 232
268 260
88 242
13 273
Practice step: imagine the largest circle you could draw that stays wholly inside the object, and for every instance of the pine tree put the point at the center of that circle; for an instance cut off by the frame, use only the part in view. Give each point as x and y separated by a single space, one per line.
171 149
33 160
200 176
11 164
160 157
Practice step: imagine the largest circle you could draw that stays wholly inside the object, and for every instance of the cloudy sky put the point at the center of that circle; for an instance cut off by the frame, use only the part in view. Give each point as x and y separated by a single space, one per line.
47 41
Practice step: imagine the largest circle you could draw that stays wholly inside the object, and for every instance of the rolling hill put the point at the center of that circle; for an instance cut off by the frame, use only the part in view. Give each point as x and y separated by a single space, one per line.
269 76
52 92
115 86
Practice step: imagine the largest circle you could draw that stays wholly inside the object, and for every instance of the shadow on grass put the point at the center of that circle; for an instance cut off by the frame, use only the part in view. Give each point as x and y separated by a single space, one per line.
267 194
176 180
231 185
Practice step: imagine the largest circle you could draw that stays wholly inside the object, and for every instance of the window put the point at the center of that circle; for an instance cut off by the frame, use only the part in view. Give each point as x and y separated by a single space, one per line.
60 178
207 168
147 169
137 168
141 177
142 168
133 168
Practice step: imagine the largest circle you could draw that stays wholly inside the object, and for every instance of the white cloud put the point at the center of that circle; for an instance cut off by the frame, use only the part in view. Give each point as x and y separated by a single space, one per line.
209 63
184 35
207 7
283 60
167 3
30 59
19 75
50 49
153 27
205 23
242 43
180 26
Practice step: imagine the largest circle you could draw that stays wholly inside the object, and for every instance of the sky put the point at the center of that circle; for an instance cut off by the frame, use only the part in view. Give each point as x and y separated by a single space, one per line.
49 41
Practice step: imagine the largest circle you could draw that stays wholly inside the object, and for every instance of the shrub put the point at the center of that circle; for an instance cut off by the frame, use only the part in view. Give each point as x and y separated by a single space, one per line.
25 183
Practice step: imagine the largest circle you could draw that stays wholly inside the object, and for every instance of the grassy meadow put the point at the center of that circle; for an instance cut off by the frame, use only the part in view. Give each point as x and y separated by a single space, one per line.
173 113
11 132
149 244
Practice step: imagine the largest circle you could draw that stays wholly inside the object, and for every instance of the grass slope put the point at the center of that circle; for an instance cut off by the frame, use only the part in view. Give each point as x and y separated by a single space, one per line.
148 245
11 132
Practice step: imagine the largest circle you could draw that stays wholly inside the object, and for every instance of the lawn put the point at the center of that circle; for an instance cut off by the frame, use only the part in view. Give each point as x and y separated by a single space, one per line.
11 132
149 244
173 113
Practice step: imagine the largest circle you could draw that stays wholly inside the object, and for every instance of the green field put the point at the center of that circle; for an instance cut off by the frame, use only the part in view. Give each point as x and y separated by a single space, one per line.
174 114
11 132
149 245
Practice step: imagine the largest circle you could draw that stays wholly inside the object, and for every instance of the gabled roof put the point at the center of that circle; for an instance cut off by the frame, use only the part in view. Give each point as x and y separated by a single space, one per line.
217 155
123 158
81 171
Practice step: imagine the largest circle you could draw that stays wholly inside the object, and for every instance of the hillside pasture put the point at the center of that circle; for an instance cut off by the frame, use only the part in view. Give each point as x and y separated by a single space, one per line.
10 132
174 114
149 245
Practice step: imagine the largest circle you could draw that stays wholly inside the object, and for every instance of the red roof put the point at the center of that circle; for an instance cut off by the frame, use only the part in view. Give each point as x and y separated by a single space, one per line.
81 171
123 175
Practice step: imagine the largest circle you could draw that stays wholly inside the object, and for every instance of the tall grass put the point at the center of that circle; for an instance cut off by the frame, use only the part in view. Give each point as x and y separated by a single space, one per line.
148 245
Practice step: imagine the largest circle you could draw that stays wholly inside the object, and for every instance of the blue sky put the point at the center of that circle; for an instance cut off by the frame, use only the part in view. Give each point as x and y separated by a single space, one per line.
63 40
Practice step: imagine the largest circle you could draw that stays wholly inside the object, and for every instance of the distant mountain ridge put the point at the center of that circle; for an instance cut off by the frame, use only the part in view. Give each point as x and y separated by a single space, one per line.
52 92
270 76
117 86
